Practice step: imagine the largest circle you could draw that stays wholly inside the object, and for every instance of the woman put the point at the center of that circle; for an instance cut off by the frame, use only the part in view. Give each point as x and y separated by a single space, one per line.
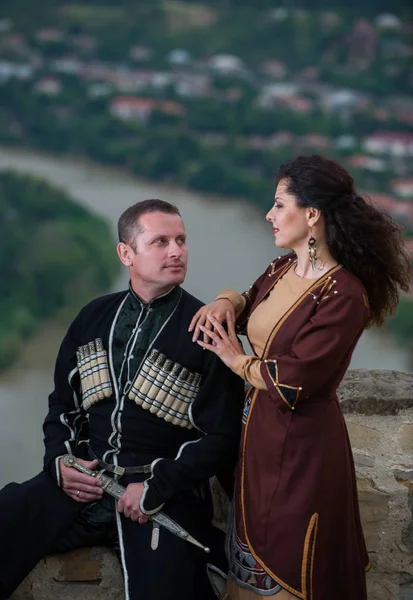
296 529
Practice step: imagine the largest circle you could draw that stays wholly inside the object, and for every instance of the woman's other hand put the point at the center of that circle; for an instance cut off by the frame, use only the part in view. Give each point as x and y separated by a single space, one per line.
225 345
218 310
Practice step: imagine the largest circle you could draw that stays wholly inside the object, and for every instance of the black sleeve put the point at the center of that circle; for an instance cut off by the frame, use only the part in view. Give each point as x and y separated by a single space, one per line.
216 413
66 422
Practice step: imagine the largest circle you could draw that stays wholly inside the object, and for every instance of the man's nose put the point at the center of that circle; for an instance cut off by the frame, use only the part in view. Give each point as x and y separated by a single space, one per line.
175 249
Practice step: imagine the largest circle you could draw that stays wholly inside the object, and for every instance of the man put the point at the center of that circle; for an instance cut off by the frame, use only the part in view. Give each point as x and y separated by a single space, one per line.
134 396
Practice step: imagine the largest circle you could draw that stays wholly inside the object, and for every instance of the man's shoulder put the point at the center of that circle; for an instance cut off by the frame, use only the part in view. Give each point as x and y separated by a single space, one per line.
106 301
191 302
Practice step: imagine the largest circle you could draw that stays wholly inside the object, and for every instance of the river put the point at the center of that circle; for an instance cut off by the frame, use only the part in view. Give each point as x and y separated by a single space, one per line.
230 244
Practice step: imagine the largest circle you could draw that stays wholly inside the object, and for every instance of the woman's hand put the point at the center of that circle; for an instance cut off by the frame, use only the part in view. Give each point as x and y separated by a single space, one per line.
218 309
225 345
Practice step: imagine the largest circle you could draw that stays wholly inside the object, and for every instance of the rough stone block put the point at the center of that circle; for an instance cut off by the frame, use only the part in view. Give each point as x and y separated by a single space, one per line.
362 459
374 511
406 587
379 587
86 574
376 392
406 438
404 476
362 437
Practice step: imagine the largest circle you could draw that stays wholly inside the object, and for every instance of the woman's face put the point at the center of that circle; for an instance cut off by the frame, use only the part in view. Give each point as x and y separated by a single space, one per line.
289 221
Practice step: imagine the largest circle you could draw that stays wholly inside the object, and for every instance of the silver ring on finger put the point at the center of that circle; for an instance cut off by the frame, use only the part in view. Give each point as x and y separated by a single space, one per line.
78 493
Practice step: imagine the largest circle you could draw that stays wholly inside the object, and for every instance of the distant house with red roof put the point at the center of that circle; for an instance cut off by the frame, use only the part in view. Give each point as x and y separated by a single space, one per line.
403 187
134 108
398 209
50 35
131 108
369 163
397 143
48 85
169 107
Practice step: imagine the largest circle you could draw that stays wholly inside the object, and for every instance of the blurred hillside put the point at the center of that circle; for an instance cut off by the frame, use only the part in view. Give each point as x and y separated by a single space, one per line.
54 255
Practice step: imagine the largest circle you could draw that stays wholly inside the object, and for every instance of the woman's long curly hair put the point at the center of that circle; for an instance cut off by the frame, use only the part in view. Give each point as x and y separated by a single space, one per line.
362 238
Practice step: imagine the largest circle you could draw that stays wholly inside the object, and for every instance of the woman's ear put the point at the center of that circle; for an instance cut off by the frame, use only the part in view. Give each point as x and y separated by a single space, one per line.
313 216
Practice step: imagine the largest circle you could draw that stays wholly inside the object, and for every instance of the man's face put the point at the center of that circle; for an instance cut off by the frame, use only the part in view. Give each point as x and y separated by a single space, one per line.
158 255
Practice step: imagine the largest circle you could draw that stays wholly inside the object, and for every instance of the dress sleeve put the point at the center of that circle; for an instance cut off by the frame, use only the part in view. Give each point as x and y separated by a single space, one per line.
237 300
326 339
249 368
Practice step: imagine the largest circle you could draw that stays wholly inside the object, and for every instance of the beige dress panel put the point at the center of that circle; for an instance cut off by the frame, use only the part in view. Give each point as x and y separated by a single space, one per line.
283 295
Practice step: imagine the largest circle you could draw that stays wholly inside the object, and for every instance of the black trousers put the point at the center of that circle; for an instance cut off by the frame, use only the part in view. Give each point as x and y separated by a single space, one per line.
37 518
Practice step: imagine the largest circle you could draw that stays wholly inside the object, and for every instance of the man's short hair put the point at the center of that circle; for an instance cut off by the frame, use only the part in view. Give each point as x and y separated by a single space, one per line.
128 224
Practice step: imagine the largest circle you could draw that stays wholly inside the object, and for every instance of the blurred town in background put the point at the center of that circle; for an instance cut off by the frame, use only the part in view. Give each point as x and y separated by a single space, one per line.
214 95
211 96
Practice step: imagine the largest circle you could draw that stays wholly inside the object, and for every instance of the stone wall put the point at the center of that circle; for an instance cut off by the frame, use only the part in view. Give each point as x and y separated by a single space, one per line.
379 412
378 406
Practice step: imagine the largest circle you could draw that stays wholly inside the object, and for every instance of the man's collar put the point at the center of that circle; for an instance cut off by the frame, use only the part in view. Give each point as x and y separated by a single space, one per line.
169 296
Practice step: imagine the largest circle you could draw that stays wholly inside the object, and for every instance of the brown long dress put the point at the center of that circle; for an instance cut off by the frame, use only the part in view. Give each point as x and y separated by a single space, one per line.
296 506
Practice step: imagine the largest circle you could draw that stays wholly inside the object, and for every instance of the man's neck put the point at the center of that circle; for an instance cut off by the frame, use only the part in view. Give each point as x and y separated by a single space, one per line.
146 293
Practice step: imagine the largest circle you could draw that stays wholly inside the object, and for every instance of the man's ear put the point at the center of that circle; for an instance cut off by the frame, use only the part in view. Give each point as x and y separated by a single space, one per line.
125 254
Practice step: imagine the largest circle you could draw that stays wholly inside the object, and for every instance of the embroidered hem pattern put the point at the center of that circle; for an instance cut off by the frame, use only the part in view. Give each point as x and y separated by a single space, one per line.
244 568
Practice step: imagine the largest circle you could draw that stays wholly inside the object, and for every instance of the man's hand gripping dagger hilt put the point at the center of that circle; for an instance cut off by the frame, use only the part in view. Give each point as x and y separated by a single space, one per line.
114 489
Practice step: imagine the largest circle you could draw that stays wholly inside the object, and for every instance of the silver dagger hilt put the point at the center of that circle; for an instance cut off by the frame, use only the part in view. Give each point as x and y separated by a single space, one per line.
114 489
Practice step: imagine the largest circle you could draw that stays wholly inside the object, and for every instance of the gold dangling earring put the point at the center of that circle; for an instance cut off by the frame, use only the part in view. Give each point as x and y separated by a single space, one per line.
312 251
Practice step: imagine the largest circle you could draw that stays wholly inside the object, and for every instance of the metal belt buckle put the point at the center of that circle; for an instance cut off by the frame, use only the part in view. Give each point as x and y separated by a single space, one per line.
119 470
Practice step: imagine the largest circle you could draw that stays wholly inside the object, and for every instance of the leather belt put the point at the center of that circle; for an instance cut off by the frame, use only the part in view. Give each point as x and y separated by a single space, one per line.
118 470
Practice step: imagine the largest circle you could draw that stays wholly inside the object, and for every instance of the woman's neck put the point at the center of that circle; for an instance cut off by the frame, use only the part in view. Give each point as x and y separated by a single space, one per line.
324 262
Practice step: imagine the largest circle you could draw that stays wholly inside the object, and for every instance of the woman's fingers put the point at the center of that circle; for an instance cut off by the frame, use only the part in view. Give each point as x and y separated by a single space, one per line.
206 346
197 322
217 326
231 327
213 335
207 328
216 309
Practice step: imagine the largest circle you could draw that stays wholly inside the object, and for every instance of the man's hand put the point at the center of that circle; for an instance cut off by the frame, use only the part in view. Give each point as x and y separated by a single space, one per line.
81 487
129 504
